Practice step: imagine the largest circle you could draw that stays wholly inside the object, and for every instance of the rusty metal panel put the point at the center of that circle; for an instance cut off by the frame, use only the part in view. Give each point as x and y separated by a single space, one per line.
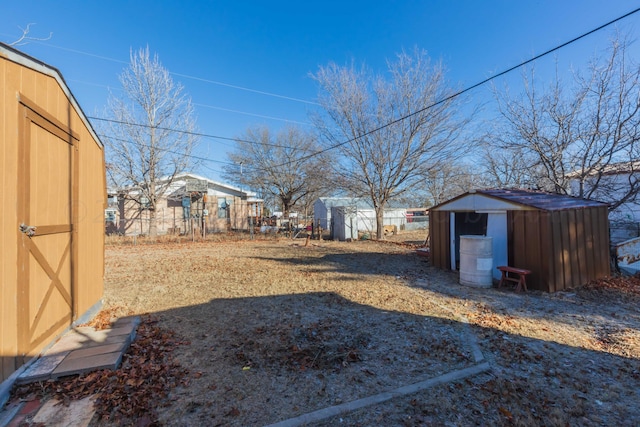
602 249
546 252
590 238
439 246
527 245
564 248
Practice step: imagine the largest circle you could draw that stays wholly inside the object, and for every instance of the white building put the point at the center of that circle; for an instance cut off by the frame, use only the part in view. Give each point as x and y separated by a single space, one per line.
360 216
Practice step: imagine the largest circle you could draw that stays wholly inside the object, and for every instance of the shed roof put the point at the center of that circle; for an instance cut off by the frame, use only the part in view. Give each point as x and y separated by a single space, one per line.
30 62
529 198
358 202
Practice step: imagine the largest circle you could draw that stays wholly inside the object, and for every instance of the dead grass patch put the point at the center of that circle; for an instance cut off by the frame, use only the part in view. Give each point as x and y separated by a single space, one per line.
276 329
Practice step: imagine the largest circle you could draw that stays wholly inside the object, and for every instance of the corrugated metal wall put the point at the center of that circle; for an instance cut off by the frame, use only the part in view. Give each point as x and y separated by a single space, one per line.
564 248
439 244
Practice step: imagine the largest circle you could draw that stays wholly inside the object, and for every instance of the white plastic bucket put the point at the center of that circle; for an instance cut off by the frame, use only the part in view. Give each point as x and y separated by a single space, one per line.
476 261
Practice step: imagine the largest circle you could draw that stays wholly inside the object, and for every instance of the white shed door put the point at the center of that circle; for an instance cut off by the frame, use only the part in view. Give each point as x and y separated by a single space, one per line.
497 229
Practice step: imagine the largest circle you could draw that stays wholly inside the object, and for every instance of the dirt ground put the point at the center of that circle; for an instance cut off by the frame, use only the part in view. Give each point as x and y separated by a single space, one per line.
272 329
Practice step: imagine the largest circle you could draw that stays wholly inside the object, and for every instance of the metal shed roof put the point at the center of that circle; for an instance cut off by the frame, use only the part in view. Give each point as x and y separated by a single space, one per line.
530 198
358 202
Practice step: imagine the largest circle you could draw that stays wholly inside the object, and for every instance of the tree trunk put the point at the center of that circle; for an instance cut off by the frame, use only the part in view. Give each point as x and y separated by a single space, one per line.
153 223
380 223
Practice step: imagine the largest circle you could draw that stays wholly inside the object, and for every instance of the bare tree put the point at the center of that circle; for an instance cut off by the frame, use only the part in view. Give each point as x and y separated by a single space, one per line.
284 165
507 168
150 137
388 133
576 137
26 38
450 180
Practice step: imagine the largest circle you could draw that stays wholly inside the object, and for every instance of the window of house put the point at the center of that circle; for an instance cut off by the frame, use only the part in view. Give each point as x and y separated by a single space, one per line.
223 205
145 203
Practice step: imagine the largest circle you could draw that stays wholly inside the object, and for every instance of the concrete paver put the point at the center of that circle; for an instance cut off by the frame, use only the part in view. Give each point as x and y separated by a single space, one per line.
54 414
83 349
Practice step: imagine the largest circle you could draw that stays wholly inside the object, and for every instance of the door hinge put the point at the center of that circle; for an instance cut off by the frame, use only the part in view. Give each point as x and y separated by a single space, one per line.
29 230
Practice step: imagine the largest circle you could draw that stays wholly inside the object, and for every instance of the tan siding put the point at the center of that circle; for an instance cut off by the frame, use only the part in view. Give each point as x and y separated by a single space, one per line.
90 222
44 92
9 78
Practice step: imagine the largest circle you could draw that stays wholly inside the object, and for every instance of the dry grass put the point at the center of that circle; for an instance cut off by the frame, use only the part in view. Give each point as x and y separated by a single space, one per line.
277 329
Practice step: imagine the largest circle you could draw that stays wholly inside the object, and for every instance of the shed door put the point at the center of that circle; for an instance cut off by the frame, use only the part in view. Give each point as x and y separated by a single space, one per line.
47 187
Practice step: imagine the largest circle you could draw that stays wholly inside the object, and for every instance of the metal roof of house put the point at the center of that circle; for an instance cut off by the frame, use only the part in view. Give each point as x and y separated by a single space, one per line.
330 202
358 202
534 199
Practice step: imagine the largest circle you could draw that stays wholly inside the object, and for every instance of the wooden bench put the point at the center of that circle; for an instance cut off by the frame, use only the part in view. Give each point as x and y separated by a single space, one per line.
521 280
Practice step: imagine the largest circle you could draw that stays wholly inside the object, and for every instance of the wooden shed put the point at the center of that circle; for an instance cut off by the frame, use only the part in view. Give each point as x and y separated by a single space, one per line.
52 222
563 240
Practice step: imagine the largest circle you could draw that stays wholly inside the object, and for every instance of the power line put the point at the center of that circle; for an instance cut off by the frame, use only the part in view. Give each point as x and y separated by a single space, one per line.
166 150
467 89
275 95
215 82
204 135
251 114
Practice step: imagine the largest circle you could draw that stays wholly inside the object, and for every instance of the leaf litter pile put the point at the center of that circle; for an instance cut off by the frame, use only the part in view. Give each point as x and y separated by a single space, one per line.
145 378
255 332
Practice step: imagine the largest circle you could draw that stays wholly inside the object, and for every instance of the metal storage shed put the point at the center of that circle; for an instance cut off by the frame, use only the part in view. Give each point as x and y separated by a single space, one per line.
52 223
563 240
365 213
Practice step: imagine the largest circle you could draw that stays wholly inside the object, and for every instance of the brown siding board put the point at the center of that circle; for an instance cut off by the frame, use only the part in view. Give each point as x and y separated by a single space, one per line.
562 229
532 259
519 239
557 262
546 252
581 242
602 244
565 248
590 230
569 240
439 232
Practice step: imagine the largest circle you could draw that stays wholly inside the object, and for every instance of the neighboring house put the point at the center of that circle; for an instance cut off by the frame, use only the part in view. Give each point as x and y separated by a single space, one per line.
53 199
563 240
614 184
357 215
191 202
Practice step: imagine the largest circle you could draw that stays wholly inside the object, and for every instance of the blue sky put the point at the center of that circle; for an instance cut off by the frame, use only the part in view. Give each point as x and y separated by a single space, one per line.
247 63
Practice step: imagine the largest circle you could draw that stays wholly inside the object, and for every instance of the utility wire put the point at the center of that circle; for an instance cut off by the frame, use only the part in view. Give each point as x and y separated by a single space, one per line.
215 82
275 95
166 150
467 89
204 135
379 128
